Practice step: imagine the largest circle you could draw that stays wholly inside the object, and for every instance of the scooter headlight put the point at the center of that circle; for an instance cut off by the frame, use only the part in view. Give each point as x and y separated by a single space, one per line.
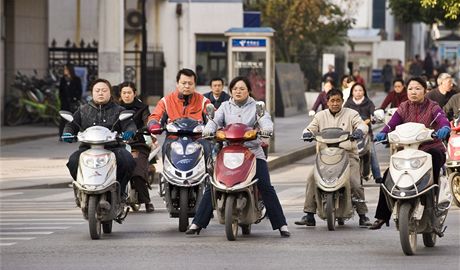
95 161
177 147
192 148
408 164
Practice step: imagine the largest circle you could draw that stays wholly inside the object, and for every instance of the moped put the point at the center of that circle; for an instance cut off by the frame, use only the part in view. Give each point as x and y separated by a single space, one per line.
418 203
235 195
184 170
453 161
97 191
332 176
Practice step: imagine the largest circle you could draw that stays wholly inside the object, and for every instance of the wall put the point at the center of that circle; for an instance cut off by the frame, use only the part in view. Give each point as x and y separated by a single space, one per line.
63 21
177 36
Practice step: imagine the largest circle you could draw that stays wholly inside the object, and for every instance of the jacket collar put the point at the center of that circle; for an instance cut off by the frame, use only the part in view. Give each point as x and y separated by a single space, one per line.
248 101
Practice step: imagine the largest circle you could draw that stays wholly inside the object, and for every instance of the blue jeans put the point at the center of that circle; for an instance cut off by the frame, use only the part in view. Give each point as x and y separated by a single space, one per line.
274 211
375 167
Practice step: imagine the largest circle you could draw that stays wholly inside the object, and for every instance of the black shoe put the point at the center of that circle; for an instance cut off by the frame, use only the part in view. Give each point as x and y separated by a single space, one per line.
149 208
340 221
378 223
379 180
285 233
364 222
308 220
193 231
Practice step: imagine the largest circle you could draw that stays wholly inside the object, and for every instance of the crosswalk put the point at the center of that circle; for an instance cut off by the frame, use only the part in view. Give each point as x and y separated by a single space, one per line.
26 215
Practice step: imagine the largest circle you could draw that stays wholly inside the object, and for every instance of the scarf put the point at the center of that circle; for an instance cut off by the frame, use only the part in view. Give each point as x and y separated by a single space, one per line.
358 101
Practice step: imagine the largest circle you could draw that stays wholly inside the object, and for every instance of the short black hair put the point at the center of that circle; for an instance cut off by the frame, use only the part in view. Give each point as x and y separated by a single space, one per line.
418 79
237 79
186 72
398 80
127 84
334 92
216 79
93 83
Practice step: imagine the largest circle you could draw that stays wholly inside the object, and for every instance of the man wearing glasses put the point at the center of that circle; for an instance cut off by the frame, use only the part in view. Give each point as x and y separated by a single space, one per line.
184 102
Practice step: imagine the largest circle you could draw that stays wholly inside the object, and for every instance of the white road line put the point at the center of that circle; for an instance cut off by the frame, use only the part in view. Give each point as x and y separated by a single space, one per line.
24 233
40 223
57 197
35 228
39 211
17 238
7 244
40 219
7 194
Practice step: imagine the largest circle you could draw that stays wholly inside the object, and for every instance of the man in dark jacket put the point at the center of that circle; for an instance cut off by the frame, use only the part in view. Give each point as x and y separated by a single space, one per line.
102 111
217 94
444 92
452 108
70 91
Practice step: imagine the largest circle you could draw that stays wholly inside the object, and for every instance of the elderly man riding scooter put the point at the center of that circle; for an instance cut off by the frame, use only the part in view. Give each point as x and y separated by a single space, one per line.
350 121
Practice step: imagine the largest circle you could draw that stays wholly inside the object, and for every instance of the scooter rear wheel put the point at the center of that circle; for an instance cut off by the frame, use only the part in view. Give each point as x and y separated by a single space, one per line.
94 223
231 222
454 180
330 212
407 237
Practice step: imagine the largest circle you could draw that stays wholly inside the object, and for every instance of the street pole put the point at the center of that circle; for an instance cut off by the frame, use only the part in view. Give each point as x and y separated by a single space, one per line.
144 54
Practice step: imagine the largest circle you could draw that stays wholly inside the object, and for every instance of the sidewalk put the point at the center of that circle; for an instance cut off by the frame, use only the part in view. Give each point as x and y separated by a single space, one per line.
32 145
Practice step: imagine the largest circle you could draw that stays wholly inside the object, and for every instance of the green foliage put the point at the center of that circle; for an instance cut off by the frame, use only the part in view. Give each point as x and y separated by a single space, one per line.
451 7
304 29
427 11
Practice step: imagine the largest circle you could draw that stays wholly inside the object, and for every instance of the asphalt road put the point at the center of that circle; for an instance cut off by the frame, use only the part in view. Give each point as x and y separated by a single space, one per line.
42 229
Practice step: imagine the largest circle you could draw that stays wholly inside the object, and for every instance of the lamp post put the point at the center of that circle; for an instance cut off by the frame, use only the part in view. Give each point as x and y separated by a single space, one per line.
143 52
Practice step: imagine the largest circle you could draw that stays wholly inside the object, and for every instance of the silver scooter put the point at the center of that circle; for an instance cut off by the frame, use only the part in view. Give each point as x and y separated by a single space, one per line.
97 191
332 176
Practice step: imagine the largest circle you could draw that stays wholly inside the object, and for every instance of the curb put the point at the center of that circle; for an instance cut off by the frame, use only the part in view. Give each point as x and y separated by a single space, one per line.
7 141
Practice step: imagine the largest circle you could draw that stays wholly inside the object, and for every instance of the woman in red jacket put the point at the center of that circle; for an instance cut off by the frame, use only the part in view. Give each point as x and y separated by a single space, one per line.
396 96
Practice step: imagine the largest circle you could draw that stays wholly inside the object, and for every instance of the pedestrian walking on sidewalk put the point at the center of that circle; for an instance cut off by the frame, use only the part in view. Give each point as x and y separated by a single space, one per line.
70 91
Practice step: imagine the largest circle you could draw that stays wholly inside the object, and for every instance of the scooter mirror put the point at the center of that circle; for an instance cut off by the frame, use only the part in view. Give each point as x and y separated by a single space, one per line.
66 115
125 115
379 115
260 108
210 110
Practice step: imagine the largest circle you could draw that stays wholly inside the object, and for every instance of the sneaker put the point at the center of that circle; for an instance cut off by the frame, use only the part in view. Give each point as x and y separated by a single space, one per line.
364 222
308 220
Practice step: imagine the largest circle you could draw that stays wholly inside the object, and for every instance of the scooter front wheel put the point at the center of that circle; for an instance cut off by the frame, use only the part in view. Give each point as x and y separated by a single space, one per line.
94 223
454 180
183 209
231 222
407 236
330 211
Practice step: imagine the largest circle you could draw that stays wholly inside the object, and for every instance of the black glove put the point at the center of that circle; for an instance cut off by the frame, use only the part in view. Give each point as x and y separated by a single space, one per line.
307 135
358 134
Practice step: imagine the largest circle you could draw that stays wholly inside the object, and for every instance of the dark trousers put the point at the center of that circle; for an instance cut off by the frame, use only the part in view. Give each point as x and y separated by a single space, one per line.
438 159
125 164
271 201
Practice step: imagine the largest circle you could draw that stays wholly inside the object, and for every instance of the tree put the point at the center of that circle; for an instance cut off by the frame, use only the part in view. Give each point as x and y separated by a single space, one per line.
419 11
304 29
450 7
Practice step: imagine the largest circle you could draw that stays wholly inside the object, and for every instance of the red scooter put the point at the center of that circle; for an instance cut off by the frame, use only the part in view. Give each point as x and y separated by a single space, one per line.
234 192
453 161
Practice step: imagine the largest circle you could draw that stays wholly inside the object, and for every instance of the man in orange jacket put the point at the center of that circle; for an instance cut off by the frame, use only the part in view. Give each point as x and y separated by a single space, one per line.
183 102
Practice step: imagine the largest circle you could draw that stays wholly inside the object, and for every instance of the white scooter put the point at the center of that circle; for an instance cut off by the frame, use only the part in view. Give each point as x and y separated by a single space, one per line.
96 189
419 205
